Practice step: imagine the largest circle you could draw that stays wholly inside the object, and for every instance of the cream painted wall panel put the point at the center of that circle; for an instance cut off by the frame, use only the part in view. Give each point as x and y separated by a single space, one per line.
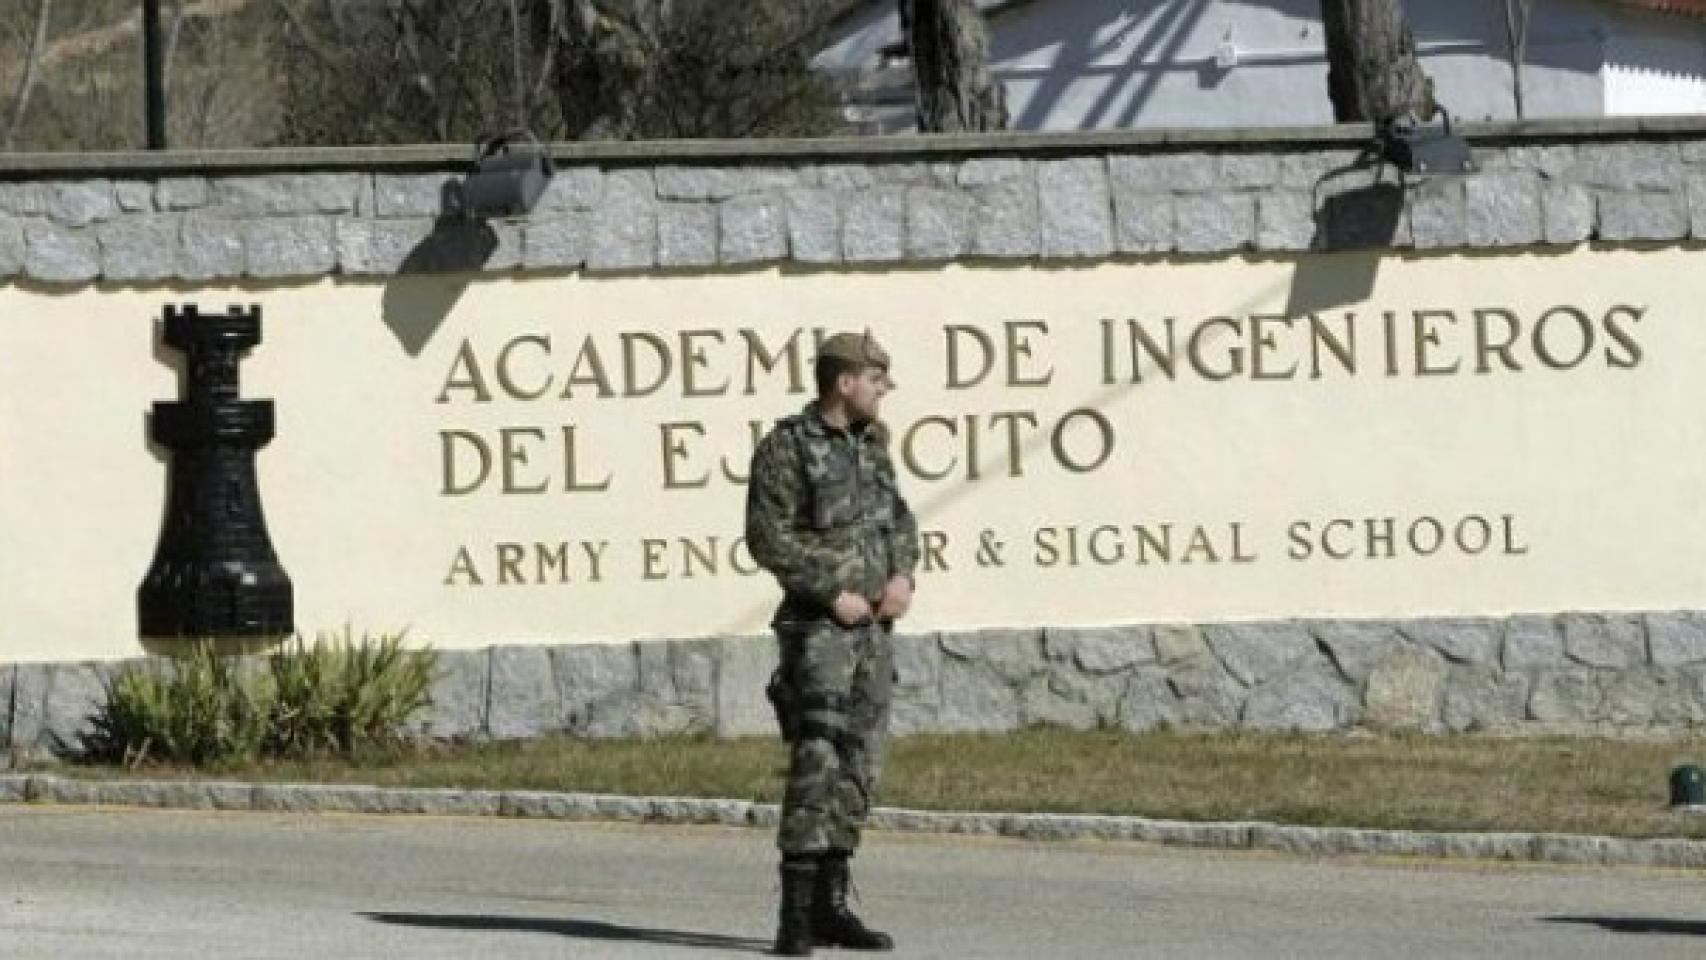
1598 467
80 486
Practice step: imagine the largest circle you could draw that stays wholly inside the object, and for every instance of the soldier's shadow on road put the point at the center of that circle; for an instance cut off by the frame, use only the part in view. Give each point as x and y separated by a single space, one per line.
566 927
1681 928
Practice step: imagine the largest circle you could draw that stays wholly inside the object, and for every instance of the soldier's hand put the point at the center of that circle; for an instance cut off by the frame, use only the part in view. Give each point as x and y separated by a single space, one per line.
897 598
851 609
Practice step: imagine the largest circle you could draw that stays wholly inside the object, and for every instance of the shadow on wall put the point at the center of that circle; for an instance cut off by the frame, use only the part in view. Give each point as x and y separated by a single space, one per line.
1117 56
1165 31
449 257
1361 221
174 361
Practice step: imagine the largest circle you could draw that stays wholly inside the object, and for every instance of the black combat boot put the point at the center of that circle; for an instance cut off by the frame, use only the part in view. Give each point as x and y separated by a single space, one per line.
794 933
833 922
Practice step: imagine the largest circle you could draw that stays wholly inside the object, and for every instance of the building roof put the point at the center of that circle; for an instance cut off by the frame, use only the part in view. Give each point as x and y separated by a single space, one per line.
1686 8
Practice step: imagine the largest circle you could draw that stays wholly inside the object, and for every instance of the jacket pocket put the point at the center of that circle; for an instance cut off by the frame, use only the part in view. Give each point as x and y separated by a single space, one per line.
835 494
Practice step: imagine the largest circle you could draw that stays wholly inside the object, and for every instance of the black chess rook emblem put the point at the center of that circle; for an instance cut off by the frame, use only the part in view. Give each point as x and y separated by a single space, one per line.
214 573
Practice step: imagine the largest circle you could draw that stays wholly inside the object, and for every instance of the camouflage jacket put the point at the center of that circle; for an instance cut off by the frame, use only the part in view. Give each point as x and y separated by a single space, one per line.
823 513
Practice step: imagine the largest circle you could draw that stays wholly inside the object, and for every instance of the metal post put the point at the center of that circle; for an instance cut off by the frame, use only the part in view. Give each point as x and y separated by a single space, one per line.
154 68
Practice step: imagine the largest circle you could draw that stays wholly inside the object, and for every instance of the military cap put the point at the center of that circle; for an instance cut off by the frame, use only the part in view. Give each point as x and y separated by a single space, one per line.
859 349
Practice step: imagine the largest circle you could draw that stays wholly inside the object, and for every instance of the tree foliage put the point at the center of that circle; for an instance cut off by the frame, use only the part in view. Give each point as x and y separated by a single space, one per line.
405 71
453 70
308 72
688 68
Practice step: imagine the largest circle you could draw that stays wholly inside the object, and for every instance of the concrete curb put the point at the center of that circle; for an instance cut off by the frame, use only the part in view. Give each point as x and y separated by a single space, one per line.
529 804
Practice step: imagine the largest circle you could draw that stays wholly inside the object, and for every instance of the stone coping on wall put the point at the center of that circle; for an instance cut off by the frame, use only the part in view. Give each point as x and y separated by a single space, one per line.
646 152
918 201
1608 673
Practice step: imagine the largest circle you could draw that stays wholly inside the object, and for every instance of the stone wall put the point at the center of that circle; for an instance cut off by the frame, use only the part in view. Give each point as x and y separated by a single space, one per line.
1566 673
139 219
136 219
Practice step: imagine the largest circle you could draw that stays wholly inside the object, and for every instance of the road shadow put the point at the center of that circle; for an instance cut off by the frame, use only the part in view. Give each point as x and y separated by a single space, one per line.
567 927
1677 928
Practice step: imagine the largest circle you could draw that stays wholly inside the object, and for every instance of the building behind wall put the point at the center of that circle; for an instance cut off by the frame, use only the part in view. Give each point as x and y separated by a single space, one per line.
1115 64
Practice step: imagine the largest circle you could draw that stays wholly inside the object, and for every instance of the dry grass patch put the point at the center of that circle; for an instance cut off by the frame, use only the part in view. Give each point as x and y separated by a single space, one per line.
1600 786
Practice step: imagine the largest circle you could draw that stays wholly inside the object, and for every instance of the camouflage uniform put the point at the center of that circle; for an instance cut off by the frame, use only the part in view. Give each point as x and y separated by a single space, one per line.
824 515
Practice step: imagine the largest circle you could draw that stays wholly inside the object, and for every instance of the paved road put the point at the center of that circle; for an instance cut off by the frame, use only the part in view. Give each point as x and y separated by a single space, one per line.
83 883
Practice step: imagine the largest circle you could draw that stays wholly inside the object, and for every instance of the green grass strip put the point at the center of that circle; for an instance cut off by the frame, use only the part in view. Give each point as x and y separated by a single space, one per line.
1472 783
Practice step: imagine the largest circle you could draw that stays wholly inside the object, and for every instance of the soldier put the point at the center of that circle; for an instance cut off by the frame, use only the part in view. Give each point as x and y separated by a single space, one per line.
824 515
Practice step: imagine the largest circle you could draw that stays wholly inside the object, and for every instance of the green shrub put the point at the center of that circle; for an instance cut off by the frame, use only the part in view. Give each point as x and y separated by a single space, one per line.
337 695
195 708
340 695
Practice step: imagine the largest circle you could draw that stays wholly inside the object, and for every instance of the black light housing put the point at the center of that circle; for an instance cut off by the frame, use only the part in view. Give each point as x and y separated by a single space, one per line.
1687 787
510 174
1424 150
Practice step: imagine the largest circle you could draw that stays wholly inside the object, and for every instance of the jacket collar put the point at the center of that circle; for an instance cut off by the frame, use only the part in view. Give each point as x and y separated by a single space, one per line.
817 426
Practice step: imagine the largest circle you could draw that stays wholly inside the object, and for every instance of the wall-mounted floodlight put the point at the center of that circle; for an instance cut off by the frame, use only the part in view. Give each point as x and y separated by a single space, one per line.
1687 787
510 173
1424 149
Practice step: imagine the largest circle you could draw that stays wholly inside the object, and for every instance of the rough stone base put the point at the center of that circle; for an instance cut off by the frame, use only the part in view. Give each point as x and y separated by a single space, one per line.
1605 673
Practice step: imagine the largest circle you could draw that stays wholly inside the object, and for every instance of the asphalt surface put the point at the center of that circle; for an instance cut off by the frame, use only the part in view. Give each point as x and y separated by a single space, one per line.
86 883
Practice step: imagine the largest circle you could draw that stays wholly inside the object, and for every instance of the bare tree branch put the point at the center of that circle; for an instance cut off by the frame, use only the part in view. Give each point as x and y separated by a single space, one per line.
172 40
1518 13
309 37
32 67
547 31
519 93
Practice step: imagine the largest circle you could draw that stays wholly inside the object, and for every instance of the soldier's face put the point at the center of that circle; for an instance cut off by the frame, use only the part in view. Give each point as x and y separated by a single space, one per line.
864 391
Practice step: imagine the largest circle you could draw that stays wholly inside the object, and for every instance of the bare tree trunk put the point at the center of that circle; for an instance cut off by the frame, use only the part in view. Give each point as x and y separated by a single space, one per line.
544 30
518 95
32 66
172 36
1517 16
605 51
950 63
1372 71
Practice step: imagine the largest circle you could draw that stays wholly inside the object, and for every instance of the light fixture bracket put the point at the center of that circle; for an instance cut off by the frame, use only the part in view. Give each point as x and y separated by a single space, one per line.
1424 150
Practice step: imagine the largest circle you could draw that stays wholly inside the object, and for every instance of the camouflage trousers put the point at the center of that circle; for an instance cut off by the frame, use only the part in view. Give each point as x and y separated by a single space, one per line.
833 707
